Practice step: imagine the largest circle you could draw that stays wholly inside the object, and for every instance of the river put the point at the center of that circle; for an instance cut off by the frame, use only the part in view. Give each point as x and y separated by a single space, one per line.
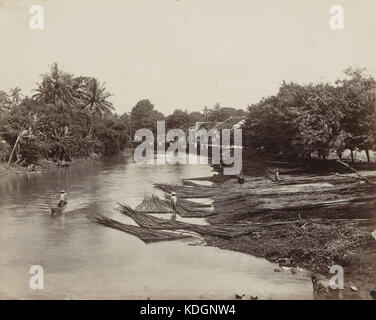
84 260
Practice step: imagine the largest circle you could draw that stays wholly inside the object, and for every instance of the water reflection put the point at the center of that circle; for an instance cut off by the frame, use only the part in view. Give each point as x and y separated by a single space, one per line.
84 260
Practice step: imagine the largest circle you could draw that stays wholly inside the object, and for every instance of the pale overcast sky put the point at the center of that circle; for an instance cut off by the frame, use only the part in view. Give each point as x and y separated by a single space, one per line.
186 53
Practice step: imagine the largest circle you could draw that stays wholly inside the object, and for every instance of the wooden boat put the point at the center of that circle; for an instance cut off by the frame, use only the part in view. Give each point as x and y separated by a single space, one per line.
58 209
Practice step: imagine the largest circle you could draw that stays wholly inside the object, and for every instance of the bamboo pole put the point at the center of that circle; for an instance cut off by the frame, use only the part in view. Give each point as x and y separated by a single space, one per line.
14 148
356 172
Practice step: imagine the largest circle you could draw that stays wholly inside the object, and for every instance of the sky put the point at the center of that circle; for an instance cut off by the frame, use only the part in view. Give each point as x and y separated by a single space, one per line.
186 53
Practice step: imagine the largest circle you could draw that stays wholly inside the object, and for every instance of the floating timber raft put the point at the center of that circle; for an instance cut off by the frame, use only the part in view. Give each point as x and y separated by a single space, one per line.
150 222
144 234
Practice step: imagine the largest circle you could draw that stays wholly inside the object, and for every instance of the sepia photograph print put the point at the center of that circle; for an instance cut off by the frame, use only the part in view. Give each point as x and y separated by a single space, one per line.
207 150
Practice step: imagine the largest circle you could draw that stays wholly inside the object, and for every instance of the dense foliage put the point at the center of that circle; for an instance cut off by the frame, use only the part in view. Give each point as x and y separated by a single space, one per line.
144 115
67 117
72 116
315 118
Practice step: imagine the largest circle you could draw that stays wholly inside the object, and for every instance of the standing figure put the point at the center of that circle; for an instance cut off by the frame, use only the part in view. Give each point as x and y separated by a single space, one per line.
277 175
174 200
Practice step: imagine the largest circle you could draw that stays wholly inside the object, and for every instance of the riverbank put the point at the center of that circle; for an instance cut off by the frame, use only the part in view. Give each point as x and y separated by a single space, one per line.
43 165
314 246
13 169
296 234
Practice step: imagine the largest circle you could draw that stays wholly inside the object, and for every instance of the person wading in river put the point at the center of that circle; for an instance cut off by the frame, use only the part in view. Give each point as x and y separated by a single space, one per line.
174 200
63 199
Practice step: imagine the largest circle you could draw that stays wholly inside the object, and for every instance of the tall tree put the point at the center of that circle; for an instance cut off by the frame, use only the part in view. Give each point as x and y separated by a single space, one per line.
4 101
179 119
195 116
299 120
96 101
143 115
15 95
57 88
357 96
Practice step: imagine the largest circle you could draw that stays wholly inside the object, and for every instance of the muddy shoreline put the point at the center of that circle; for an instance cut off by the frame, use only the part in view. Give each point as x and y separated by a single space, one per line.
314 240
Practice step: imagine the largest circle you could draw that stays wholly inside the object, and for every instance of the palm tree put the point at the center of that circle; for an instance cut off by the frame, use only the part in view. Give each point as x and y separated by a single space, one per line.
15 94
56 88
96 100
4 101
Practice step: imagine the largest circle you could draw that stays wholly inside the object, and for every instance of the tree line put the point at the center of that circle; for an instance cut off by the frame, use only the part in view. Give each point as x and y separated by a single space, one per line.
143 115
67 117
72 116
315 118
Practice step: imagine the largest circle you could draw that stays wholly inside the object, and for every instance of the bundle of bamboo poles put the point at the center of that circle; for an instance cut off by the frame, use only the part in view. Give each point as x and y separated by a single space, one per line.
193 204
185 208
308 192
190 209
197 191
150 222
188 182
243 204
153 204
144 234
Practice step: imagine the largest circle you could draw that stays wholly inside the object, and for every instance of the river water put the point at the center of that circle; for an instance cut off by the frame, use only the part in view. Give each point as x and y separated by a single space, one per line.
84 260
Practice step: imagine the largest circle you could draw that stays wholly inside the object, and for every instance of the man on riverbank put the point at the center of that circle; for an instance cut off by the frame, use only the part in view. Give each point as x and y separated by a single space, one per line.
276 175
